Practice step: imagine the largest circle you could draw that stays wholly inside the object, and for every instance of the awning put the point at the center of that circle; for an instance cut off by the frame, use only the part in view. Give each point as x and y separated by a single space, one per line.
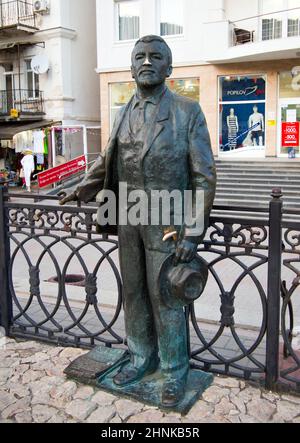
7 131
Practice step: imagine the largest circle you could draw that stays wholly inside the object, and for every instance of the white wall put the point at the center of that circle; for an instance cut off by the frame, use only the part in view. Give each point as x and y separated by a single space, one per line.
187 49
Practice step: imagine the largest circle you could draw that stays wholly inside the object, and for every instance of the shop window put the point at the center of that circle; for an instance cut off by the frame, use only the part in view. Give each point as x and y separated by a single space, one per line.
128 19
289 84
121 93
171 17
242 114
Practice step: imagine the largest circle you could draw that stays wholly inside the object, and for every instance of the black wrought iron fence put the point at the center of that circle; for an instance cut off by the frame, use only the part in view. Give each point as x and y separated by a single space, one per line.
61 284
25 101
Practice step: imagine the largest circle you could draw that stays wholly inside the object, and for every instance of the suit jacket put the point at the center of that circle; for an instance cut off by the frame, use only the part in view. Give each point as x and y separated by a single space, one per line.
177 155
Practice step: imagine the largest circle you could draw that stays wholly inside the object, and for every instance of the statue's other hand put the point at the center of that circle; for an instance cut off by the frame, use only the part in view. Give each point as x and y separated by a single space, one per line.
186 252
67 198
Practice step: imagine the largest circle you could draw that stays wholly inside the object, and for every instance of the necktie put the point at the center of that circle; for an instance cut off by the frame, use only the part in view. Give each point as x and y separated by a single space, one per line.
140 117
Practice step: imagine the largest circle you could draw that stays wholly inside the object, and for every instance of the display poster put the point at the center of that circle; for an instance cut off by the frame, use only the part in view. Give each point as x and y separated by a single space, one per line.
290 135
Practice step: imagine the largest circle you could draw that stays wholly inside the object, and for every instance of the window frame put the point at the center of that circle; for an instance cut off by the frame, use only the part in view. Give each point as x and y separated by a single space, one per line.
117 22
159 8
35 90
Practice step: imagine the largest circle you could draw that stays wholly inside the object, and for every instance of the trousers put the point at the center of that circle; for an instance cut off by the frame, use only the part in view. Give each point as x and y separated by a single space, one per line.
153 329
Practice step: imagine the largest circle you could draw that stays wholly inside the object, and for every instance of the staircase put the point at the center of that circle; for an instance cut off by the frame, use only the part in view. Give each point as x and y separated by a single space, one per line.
249 183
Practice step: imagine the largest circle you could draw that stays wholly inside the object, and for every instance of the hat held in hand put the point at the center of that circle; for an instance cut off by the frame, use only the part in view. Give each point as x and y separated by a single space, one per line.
182 285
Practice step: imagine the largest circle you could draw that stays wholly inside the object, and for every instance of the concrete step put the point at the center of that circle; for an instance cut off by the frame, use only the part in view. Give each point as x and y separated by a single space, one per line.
255 197
261 174
258 180
262 188
264 203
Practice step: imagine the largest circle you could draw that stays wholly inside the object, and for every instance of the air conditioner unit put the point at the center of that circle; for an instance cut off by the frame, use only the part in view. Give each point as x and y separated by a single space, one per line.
41 6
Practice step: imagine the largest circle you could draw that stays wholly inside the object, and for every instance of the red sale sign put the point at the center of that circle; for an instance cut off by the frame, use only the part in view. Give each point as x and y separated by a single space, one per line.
290 135
61 172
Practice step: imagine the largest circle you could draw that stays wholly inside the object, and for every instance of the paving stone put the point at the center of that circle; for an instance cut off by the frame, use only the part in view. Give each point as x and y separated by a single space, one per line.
270 397
31 376
296 420
261 410
21 370
42 414
42 399
102 415
247 419
83 393
235 419
24 417
288 411
278 419
6 400
227 382
19 391
62 394
116 420
54 352
199 411
5 374
127 408
58 418
225 407
150 416
171 419
215 394
72 354
238 403
104 399
19 407
9 363
292 399
53 380
80 409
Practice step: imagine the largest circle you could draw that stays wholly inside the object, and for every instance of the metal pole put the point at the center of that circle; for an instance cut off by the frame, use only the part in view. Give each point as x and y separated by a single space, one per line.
274 285
6 314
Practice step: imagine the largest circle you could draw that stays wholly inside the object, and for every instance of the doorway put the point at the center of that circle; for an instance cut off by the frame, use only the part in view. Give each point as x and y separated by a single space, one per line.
289 112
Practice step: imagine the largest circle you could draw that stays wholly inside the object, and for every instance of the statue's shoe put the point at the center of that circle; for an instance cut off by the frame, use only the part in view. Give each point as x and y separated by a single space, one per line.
129 374
173 392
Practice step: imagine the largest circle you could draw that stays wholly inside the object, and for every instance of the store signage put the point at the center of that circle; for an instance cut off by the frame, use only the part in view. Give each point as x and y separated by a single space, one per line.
243 89
59 173
290 135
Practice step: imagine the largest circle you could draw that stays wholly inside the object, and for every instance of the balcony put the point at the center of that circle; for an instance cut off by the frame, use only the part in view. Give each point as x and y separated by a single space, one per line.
29 104
262 37
17 17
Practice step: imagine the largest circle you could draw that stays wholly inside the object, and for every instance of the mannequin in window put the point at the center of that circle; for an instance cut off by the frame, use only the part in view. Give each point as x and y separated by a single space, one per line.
257 127
233 129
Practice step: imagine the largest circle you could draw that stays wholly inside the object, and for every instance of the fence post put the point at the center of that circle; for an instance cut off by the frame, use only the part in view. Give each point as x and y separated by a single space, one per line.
6 314
274 285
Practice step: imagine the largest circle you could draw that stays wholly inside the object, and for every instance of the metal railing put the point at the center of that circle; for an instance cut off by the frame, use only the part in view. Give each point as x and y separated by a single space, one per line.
254 271
23 100
17 13
264 27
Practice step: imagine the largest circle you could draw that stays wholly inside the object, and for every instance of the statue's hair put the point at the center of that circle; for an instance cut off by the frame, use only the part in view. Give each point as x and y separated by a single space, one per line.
156 38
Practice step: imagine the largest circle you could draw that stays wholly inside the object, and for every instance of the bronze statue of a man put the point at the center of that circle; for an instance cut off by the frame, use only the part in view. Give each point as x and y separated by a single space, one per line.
159 141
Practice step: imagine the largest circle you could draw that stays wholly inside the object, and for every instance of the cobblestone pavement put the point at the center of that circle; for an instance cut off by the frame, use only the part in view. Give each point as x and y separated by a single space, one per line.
33 388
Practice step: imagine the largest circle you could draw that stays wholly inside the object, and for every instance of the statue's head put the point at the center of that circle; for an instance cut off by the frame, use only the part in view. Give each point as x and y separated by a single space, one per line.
151 61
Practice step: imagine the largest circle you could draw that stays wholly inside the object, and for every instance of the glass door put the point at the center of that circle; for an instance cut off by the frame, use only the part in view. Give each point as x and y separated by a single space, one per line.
289 128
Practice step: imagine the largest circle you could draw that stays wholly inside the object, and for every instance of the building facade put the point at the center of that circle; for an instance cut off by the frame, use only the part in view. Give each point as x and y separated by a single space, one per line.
240 59
48 59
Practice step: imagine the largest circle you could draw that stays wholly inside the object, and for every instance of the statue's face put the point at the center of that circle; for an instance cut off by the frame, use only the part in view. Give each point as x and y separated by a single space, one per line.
150 64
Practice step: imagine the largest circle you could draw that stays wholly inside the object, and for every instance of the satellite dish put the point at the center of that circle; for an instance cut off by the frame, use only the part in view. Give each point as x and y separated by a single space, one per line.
40 64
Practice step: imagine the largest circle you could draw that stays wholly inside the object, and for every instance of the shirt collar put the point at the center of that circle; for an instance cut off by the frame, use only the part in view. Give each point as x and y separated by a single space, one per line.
137 100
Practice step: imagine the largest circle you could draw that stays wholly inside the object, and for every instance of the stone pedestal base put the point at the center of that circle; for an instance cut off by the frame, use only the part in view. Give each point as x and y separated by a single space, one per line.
89 368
